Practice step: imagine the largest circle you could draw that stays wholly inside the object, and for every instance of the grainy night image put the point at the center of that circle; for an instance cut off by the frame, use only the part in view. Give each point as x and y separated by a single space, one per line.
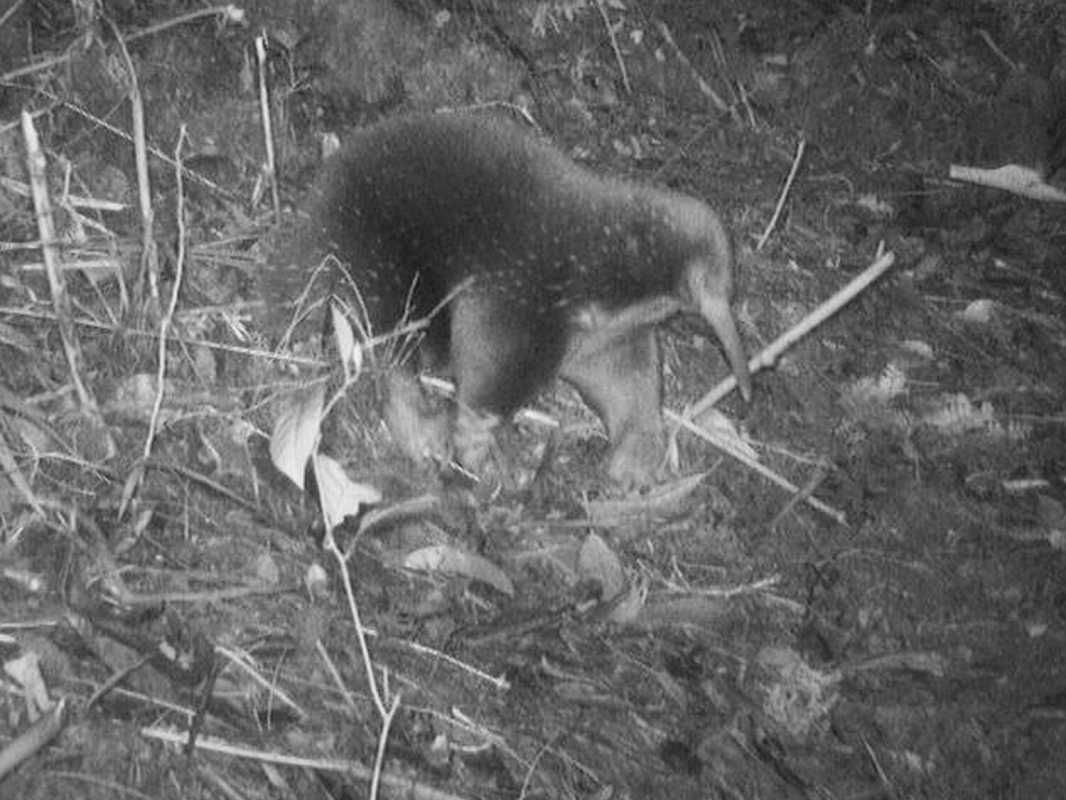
573 399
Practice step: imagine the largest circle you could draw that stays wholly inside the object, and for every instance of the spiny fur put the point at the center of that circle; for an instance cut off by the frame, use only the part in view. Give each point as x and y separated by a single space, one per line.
548 255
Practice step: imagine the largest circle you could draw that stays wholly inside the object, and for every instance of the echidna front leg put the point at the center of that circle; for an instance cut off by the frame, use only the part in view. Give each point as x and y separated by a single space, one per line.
619 377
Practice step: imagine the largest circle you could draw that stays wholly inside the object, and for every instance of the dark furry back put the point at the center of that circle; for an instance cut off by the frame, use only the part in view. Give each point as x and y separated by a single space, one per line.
417 205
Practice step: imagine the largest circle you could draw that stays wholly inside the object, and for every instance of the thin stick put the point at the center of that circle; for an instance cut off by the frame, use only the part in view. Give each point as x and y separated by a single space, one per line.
686 423
107 126
360 630
772 352
500 682
73 200
244 663
9 466
804 493
323 653
268 130
614 46
252 352
229 12
57 285
704 87
383 740
402 785
996 49
10 12
168 314
149 255
34 738
801 148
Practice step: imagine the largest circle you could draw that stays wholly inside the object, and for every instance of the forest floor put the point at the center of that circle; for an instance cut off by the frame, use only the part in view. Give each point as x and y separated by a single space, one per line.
893 625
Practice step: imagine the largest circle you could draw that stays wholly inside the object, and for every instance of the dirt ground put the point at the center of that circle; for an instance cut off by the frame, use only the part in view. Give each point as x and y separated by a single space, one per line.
880 612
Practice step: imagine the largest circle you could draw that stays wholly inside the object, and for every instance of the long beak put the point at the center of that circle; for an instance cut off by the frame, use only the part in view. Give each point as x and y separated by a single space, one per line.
715 309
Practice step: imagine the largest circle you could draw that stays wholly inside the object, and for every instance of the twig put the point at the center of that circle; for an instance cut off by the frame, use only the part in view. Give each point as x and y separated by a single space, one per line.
772 352
614 46
10 12
801 496
360 631
500 682
116 678
168 314
881 776
687 423
53 268
302 308
149 255
800 150
765 359
268 132
243 663
39 66
746 102
335 674
531 770
132 484
253 352
107 126
404 786
996 50
9 466
15 247
680 152
73 200
206 597
722 63
704 87
760 585
240 350
229 12
35 737
383 739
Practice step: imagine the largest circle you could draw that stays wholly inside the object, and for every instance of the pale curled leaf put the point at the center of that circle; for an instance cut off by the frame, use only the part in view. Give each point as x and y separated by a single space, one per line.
956 414
627 608
1015 178
266 569
9 466
443 558
919 348
876 206
234 14
316 579
351 353
661 501
133 397
879 391
25 671
339 495
295 433
598 561
982 311
795 695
